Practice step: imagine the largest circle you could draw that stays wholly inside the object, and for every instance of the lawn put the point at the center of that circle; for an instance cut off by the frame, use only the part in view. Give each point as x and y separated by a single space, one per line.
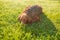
47 29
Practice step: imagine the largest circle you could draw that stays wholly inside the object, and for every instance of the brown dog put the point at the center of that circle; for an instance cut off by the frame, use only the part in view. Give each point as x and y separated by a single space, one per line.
30 14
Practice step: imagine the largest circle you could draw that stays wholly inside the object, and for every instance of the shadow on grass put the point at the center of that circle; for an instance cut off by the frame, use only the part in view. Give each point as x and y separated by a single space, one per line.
44 27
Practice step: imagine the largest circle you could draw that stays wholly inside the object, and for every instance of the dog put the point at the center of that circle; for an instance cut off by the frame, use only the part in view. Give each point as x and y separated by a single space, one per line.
30 14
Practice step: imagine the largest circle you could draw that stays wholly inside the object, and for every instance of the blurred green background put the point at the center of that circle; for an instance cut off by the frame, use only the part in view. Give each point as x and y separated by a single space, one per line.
12 29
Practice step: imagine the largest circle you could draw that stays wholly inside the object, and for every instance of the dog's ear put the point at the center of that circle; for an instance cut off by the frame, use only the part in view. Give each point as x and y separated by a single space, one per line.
29 20
19 18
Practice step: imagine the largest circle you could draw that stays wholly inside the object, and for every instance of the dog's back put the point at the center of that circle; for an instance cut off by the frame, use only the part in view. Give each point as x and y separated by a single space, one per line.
33 10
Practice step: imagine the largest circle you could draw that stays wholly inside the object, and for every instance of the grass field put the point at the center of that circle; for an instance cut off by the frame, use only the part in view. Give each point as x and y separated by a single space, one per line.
12 29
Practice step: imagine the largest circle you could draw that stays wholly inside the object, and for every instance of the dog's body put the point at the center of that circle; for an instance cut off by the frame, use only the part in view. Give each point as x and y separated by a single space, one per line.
31 14
33 10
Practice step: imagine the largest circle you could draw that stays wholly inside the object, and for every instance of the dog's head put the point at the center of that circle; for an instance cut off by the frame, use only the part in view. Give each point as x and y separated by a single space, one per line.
23 18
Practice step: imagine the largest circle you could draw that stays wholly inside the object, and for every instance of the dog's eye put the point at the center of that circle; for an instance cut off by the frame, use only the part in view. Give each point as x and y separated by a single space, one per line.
24 19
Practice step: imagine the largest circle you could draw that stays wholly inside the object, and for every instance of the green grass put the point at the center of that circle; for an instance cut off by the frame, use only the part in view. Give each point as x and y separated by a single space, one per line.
47 29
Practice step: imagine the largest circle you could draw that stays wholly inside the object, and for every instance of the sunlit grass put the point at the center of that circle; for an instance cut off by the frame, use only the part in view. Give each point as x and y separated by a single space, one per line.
12 29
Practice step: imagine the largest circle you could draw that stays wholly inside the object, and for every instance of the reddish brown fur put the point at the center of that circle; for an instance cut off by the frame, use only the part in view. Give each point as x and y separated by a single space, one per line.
30 14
